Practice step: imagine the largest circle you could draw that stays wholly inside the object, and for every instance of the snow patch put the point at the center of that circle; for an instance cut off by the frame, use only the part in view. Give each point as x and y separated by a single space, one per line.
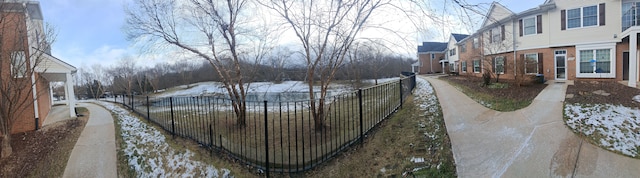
212 88
617 127
149 154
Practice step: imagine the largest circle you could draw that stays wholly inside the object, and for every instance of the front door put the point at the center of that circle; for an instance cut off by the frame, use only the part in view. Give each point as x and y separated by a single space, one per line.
625 66
561 64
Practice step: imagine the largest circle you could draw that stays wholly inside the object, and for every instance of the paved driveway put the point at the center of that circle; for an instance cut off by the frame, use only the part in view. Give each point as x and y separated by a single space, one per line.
531 142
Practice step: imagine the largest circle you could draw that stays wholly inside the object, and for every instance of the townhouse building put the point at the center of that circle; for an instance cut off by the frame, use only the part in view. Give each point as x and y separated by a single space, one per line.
559 39
27 66
453 51
430 58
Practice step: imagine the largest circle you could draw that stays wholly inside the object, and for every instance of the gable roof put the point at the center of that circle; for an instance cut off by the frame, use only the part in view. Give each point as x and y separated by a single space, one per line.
496 13
432 47
459 37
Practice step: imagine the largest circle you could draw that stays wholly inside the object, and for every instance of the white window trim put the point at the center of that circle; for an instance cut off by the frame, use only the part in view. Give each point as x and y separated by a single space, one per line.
463 66
495 62
499 39
582 17
612 54
475 43
535 25
537 62
16 73
479 66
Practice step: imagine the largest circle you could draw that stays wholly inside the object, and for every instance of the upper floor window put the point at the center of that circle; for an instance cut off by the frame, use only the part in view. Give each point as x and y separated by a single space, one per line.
452 52
496 35
18 64
463 48
476 43
630 14
433 56
589 16
573 18
583 16
529 25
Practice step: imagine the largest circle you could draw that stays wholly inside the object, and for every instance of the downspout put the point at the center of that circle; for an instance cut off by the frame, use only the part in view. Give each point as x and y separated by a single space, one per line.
515 61
32 68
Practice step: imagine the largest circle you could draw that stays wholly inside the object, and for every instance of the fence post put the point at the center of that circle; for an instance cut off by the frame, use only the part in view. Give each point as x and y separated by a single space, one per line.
360 111
401 94
173 125
131 102
266 139
148 105
211 139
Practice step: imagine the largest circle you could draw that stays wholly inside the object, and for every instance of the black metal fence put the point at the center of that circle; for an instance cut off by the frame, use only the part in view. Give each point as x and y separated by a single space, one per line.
275 136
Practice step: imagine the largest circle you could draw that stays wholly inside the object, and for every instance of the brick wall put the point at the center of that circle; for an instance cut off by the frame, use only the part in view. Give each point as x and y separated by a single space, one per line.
44 100
427 63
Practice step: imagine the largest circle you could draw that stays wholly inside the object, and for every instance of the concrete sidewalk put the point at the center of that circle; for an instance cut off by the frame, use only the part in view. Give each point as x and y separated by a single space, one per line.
531 142
94 155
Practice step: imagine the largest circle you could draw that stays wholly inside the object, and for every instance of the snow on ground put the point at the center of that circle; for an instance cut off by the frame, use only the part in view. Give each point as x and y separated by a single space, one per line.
149 154
425 98
259 87
616 128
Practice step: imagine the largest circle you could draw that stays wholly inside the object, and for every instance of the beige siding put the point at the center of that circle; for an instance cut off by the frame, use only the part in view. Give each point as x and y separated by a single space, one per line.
533 41
585 35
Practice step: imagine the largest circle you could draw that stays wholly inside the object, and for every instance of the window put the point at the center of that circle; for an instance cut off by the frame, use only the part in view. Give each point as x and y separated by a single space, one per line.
596 61
629 15
452 67
452 52
499 64
529 25
589 16
476 66
463 48
18 64
464 66
573 18
476 43
582 17
531 63
496 35
433 56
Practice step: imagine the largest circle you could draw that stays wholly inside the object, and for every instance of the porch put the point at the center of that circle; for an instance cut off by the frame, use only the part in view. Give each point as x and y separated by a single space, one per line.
56 70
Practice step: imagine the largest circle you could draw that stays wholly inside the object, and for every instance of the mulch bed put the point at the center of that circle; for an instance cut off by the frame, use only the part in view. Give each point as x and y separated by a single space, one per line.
583 93
526 92
30 148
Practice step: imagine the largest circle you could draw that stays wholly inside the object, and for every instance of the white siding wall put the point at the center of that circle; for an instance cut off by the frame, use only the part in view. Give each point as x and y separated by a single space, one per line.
534 41
498 46
585 35
452 45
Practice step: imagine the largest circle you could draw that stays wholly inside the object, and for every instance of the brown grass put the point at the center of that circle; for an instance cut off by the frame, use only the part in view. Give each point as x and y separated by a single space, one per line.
294 142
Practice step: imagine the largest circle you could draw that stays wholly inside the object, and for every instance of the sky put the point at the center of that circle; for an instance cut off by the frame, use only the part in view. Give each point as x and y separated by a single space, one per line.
90 32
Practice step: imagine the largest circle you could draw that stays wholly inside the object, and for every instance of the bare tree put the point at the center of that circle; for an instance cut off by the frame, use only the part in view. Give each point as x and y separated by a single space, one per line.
22 49
124 75
326 30
216 31
276 62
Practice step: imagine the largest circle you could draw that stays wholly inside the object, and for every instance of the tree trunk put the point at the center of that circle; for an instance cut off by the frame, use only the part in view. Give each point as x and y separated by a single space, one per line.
240 110
6 146
318 116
